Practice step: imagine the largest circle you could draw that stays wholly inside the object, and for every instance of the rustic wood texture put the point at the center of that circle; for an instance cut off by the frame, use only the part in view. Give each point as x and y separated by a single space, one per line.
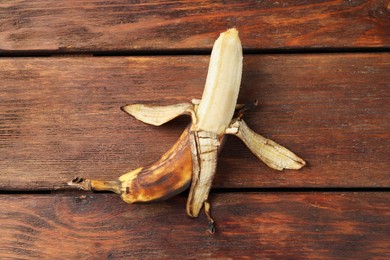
250 225
89 25
60 118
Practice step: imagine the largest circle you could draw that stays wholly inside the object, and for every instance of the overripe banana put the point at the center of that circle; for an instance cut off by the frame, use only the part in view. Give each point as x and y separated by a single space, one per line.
192 161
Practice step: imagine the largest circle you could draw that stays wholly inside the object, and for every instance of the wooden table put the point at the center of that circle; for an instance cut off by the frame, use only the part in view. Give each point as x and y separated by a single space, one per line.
321 73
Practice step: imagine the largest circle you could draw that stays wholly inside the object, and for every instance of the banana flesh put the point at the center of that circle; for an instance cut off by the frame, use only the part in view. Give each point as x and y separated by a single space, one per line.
223 81
192 161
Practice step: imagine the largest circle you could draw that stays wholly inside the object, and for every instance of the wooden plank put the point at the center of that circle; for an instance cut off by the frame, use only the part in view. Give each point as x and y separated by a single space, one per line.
60 118
250 225
90 25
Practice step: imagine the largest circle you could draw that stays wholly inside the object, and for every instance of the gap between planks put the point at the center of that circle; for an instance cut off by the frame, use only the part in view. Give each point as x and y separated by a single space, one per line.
187 52
215 191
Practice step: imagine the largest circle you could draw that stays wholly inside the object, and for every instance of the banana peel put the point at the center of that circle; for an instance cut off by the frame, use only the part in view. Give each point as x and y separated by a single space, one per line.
192 161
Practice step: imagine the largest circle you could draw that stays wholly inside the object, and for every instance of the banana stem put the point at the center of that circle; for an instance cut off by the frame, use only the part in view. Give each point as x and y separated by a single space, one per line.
114 186
85 184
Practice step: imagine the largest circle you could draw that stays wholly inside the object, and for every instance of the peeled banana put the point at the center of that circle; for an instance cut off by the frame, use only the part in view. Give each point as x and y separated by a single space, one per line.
192 161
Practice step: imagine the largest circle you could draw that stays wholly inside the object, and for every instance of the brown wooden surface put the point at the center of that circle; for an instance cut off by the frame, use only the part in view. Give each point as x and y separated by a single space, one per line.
60 118
89 25
250 225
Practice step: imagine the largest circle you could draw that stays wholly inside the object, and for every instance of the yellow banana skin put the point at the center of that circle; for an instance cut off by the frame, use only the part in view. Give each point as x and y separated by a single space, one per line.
167 177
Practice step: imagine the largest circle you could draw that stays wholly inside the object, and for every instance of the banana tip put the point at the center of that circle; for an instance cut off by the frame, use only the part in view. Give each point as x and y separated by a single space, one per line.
123 108
232 30
298 164
80 183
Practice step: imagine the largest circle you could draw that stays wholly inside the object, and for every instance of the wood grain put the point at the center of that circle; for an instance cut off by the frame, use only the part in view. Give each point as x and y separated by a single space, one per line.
60 118
250 225
90 25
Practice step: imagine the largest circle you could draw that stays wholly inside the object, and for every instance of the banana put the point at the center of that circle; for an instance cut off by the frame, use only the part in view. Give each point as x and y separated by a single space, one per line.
192 161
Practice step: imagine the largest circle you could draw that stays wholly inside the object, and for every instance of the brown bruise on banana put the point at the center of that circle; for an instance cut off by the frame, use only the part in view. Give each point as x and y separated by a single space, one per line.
193 159
161 180
167 177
